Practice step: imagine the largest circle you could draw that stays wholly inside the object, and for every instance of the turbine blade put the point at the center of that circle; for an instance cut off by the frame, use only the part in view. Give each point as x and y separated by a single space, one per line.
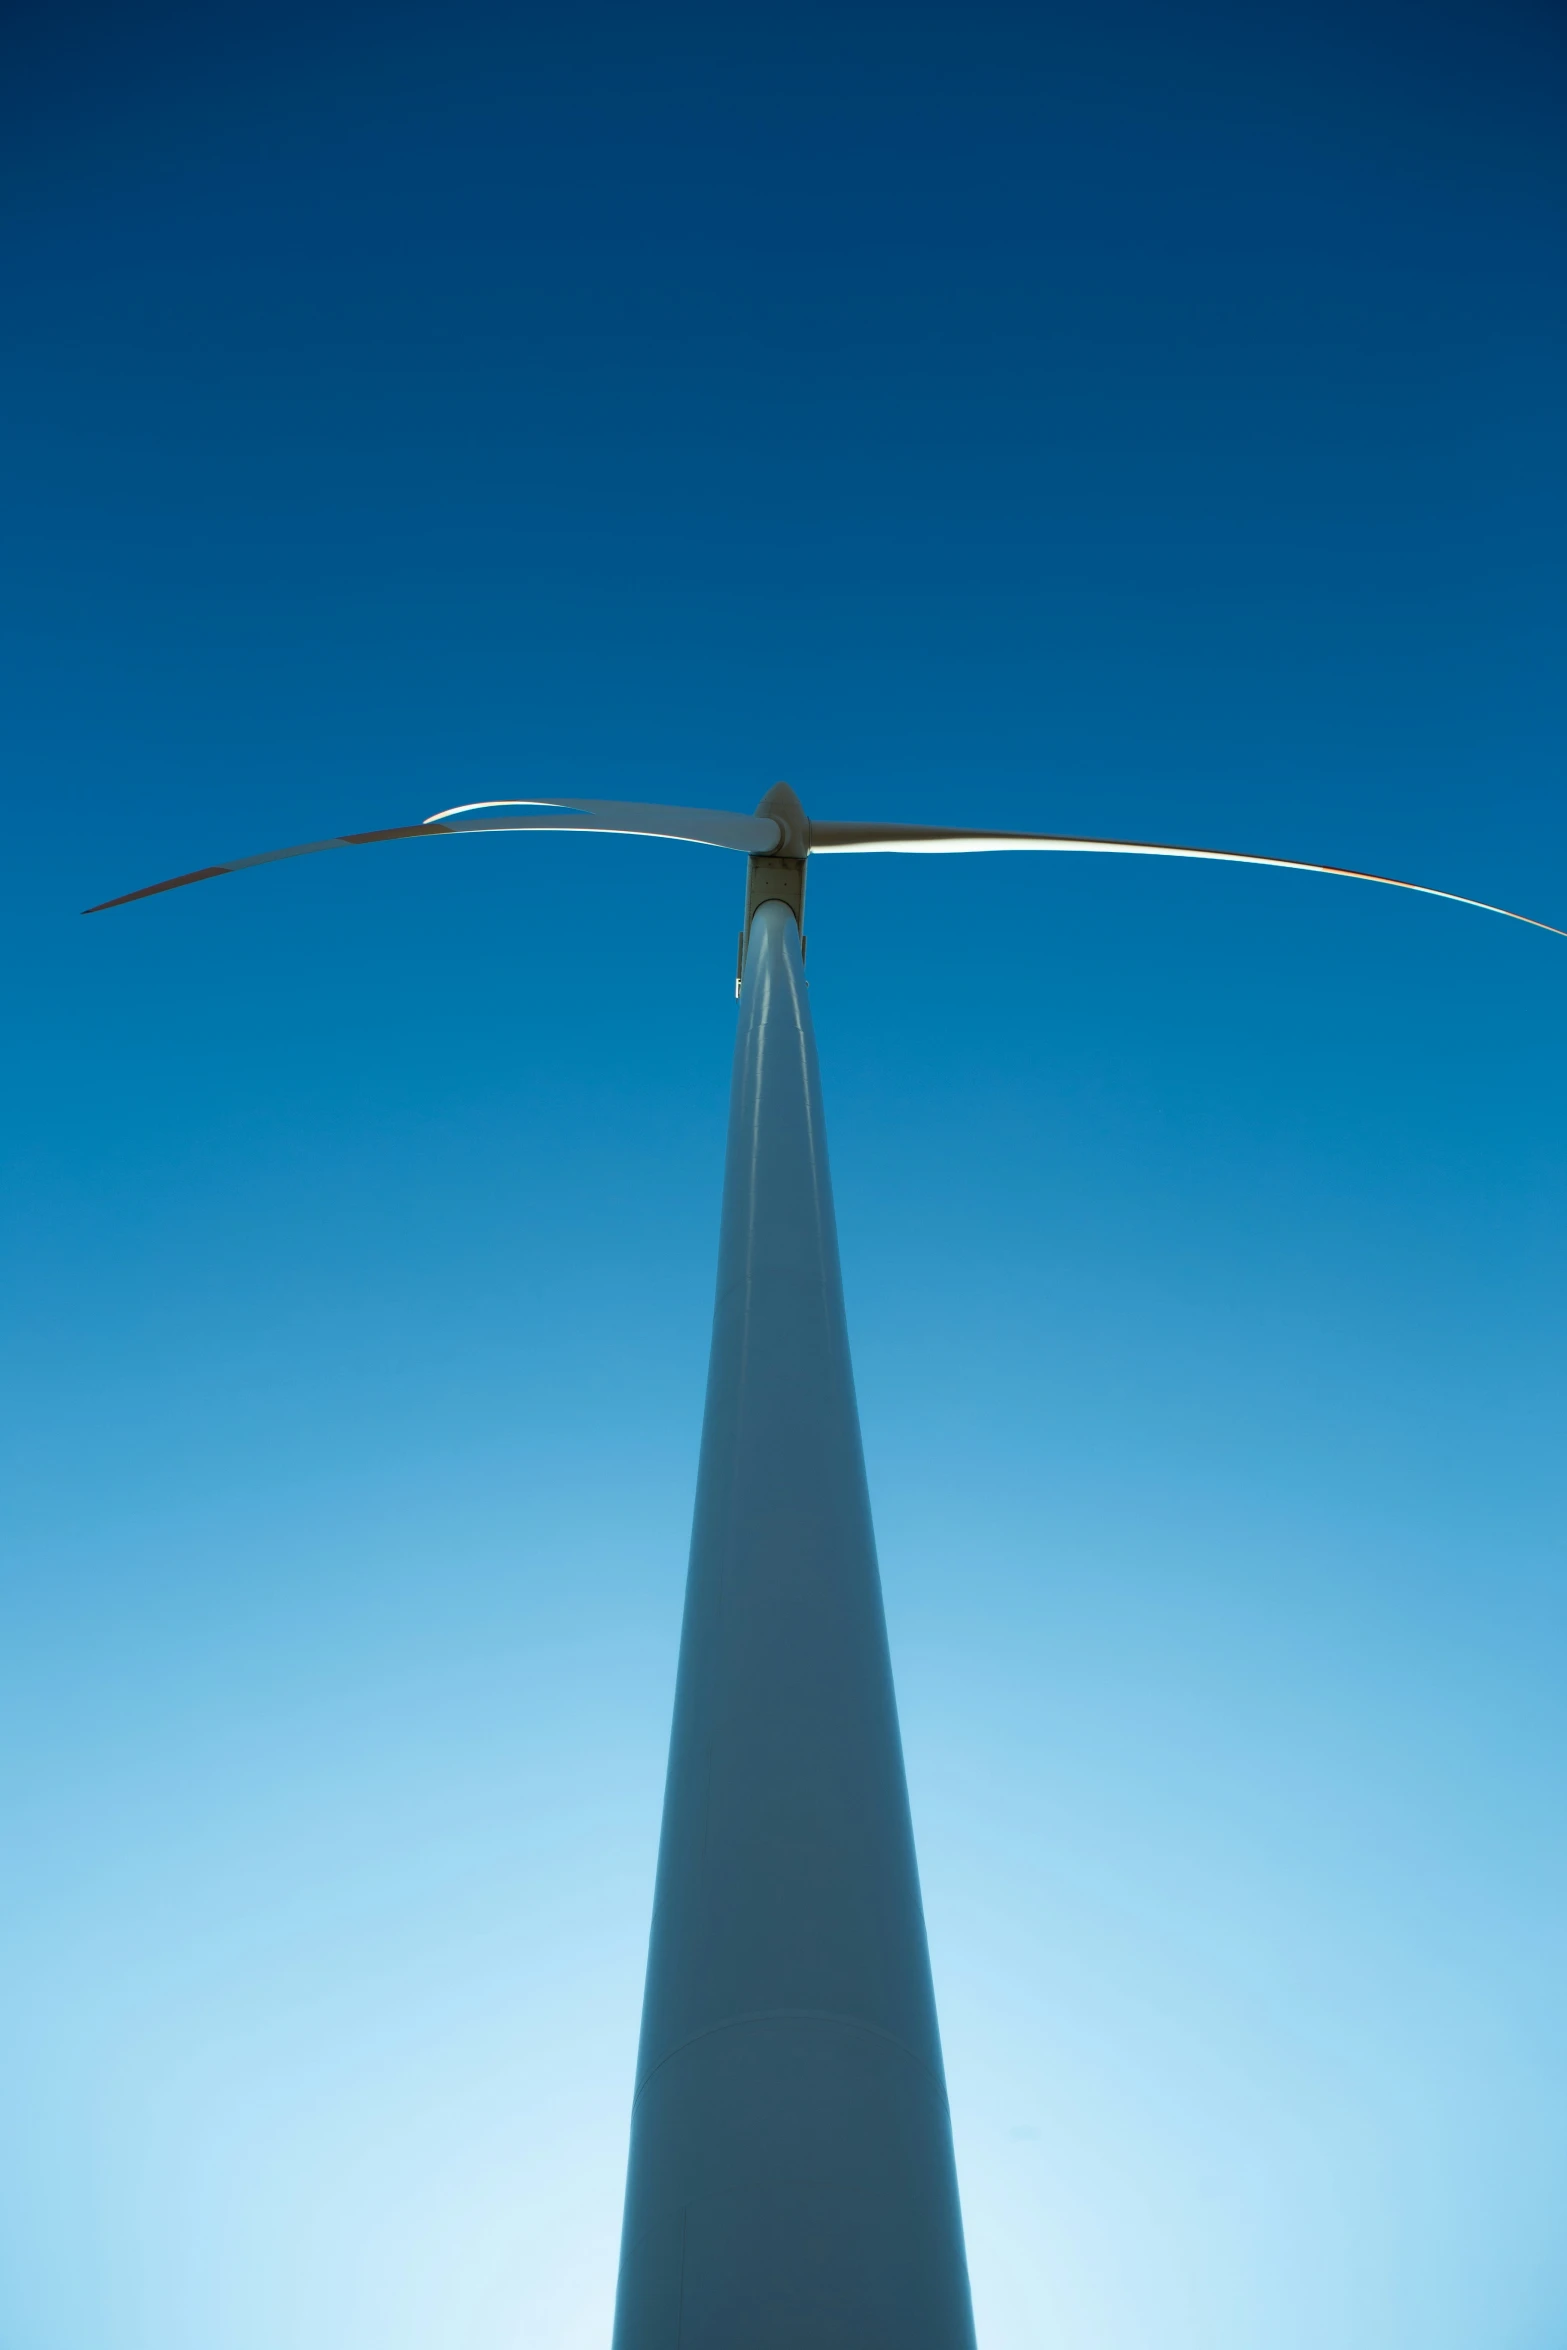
308 848
714 827
837 840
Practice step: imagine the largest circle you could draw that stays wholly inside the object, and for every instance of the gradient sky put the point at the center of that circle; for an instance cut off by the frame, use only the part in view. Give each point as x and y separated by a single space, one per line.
1134 420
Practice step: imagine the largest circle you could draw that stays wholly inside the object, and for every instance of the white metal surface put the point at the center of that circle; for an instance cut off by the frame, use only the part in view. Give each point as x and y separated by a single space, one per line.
791 2182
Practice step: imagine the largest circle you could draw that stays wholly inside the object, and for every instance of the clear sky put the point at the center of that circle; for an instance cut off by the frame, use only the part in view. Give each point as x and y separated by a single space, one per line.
1132 419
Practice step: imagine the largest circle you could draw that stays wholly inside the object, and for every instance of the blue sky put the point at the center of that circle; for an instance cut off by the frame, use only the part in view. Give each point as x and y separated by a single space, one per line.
1147 423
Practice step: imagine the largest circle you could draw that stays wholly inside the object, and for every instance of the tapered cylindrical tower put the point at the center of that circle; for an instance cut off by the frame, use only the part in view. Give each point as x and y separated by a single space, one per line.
791 2182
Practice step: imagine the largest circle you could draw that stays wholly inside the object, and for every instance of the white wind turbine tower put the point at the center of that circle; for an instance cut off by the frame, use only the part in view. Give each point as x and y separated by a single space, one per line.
791 2183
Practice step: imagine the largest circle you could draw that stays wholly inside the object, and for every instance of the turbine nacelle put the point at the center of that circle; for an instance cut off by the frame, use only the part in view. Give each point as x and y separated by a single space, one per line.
778 872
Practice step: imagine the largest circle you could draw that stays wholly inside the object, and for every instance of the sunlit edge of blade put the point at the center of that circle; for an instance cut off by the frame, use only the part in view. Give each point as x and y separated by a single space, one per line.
959 844
471 807
714 828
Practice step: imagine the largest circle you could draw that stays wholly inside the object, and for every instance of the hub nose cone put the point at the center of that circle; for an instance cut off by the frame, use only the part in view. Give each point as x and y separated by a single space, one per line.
785 810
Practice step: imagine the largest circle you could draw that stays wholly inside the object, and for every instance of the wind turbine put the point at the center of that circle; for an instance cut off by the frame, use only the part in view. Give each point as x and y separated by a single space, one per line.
791 2183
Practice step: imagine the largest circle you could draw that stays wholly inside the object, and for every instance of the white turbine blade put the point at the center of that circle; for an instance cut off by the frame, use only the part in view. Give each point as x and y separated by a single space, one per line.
309 848
841 840
714 827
